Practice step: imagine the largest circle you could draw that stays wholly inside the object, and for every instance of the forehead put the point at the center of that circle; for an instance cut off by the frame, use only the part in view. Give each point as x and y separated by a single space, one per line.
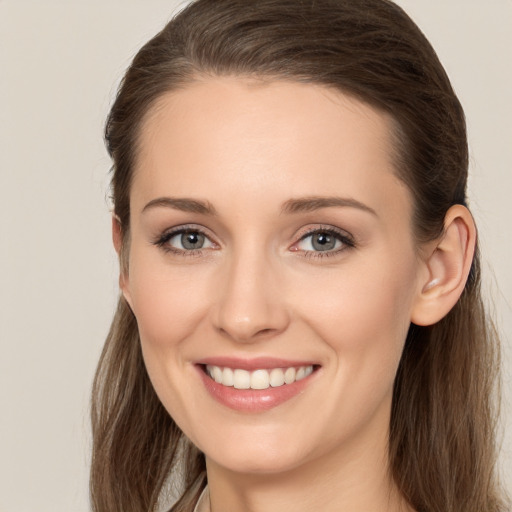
279 139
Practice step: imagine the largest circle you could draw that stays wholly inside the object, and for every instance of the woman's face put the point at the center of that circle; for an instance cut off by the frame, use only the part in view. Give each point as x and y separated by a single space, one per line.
271 247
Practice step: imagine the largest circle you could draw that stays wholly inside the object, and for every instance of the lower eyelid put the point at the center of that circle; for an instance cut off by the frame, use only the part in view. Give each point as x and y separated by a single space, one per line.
318 255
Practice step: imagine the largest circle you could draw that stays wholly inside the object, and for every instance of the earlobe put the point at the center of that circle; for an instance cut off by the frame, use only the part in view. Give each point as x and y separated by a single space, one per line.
448 264
117 239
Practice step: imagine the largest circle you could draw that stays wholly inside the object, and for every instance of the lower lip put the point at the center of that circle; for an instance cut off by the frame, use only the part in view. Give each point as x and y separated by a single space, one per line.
252 400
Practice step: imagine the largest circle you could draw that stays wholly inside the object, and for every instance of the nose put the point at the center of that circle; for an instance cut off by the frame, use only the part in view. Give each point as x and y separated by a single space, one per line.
250 305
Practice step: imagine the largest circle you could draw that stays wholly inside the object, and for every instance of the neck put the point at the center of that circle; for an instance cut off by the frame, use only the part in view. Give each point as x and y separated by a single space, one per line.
355 479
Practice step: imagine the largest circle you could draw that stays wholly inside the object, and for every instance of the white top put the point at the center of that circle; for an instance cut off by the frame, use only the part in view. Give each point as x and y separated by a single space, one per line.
203 504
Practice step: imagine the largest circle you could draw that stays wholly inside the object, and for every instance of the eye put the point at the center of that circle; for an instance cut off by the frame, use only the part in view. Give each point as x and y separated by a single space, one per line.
320 241
328 241
189 240
185 240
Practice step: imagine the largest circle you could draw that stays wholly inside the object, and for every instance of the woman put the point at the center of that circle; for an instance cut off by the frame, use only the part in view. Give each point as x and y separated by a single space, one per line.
300 326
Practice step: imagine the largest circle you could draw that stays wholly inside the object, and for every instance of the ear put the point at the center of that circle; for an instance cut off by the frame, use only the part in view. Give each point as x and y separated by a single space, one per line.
117 239
447 264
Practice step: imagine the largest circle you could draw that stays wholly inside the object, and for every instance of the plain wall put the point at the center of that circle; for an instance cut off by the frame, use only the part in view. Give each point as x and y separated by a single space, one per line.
60 62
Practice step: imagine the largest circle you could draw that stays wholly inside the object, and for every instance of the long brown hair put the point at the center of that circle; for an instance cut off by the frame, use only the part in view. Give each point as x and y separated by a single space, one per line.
442 433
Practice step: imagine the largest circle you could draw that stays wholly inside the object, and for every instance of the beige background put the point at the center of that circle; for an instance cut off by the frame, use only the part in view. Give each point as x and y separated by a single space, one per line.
59 64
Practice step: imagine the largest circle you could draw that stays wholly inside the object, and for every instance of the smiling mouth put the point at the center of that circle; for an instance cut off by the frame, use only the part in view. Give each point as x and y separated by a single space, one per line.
258 379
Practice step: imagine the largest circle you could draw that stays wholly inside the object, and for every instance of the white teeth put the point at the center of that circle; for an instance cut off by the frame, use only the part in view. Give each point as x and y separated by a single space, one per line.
227 377
289 375
258 379
241 379
217 374
276 377
300 373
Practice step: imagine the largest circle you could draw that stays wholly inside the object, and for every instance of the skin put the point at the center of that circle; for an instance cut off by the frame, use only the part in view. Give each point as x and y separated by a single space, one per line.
259 288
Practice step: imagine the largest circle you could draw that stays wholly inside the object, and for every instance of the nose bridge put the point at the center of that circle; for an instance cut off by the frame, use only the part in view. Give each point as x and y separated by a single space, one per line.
250 304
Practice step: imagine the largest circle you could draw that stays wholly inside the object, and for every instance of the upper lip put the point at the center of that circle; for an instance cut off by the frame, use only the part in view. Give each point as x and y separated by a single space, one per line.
255 363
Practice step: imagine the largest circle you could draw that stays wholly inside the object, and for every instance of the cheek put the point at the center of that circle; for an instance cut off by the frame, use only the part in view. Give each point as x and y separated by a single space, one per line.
167 302
363 314
363 318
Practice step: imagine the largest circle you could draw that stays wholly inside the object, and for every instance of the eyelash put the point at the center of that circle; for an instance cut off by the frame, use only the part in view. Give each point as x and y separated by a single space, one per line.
346 240
162 240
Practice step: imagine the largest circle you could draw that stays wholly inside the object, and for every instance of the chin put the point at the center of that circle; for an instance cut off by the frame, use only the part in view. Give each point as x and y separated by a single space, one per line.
258 457
256 463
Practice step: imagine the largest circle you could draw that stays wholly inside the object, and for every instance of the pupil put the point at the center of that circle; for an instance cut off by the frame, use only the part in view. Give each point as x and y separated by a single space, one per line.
323 242
192 240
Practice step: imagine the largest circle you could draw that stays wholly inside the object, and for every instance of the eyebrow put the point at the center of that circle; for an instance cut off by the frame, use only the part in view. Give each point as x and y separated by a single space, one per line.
183 204
309 204
300 205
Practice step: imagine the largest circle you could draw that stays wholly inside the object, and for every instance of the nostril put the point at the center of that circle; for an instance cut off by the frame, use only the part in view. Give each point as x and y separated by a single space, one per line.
264 332
247 333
